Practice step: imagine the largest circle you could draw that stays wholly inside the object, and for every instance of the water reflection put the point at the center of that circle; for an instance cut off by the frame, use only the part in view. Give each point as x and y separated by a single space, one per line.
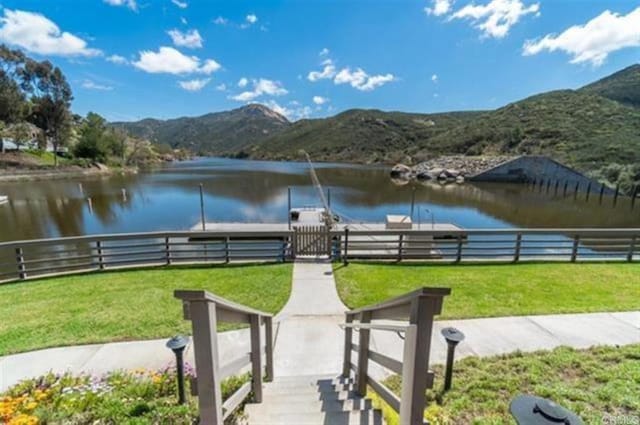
168 198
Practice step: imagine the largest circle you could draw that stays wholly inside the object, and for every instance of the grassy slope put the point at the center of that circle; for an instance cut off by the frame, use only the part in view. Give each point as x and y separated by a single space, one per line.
125 305
592 383
499 290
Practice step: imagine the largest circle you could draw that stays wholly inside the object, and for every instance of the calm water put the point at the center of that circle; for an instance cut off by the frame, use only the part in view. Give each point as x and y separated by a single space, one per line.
237 190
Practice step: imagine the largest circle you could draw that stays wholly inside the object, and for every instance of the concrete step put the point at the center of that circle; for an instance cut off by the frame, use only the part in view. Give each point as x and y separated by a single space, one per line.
285 404
367 417
308 397
306 389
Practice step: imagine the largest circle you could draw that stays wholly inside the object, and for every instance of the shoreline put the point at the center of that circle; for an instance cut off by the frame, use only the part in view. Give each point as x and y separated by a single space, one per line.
37 174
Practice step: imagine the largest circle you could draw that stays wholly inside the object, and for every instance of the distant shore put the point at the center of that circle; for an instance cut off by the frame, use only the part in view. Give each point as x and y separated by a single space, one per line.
16 174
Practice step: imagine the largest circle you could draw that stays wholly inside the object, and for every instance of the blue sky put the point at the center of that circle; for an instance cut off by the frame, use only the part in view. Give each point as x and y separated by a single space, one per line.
130 59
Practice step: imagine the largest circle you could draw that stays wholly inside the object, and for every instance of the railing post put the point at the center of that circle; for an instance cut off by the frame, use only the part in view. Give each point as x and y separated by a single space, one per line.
516 255
22 270
345 259
268 336
100 258
226 249
574 249
256 358
415 363
205 346
632 247
400 247
348 340
459 251
363 355
167 250
294 243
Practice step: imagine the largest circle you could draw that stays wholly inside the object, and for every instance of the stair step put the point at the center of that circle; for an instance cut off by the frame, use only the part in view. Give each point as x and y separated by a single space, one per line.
366 417
269 397
286 404
275 388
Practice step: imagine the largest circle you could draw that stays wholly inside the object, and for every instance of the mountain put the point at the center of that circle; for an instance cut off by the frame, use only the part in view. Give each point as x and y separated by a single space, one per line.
359 135
622 86
215 133
595 128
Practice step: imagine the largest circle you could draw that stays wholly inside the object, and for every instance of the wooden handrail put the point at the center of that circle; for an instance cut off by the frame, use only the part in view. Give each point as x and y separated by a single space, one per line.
205 310
419 308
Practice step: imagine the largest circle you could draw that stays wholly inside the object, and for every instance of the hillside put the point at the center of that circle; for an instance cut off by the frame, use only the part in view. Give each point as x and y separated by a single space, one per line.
215 133
622 86
361 136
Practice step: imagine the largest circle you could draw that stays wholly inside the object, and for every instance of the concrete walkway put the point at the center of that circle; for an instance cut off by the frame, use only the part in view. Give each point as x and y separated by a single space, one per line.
309 340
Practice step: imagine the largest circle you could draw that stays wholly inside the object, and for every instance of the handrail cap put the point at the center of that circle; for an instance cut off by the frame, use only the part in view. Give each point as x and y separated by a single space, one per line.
202 295
436 292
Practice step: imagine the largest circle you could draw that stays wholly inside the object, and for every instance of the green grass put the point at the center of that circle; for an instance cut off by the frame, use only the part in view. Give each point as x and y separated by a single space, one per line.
498 290
127 305
596 384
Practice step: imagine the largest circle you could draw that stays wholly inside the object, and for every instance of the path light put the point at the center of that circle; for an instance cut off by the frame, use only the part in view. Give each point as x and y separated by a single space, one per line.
177 344
453 338
532 410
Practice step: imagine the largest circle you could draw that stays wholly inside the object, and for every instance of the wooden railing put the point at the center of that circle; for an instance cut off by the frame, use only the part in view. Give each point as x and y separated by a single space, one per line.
205 311
418 308
20 260
473 245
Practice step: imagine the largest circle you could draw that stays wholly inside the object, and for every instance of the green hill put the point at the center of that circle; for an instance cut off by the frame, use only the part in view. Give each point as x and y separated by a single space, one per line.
622 86
216 133
360 136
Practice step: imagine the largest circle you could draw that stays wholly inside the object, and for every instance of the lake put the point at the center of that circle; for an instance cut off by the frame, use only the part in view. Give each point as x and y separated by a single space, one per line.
167 198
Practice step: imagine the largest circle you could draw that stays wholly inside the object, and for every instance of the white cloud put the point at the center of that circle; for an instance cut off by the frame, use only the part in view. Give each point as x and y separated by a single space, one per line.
242 82
194 85
251 18
117 59
293 114
360 80
170 61
496 18
434 78
180 4
90 85
439 7
221 21
131 4
184 21
324 52
37 34
593 41
261 87
327 72
319 100
190 39
221 87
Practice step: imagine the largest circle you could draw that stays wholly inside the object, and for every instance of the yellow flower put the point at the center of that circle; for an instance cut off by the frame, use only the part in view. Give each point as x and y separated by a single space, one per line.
31 405
23 419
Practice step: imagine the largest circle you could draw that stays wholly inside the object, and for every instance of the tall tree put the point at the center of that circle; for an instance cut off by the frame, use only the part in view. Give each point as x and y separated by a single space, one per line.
51 98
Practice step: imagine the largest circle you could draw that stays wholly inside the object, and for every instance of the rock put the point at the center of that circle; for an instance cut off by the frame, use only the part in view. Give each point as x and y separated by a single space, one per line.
424 176
401 171
442 176
452 173
460 179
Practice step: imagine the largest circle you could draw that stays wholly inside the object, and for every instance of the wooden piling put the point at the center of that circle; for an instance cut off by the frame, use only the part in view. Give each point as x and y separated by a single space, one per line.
635 194
588 192
575 192
564 191
601 193
555 190
615 195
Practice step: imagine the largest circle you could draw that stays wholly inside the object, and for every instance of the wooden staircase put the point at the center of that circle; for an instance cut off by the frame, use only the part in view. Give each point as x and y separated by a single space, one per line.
312 400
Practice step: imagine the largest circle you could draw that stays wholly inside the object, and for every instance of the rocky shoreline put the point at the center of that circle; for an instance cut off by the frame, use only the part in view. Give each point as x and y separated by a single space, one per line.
447 168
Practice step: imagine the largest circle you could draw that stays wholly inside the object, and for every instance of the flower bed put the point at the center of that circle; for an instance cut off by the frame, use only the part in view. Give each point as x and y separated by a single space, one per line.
138 397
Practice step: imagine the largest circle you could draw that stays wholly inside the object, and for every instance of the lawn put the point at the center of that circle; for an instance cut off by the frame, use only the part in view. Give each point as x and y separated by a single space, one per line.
126 305
498 290
601 385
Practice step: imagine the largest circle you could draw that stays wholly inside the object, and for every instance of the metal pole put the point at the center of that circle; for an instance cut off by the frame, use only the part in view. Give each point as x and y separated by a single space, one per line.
180 371
448 375
202 208
329 197
289 207
413 201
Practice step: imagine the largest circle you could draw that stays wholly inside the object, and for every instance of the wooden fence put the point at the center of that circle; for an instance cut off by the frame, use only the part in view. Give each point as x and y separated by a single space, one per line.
22 260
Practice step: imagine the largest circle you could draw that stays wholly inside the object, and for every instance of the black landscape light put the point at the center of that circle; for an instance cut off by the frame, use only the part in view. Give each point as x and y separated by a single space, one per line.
453 337
177 344
532 410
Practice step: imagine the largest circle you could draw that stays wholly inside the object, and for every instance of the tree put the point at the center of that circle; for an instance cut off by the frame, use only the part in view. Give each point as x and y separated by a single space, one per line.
21 133
51 98
93 143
